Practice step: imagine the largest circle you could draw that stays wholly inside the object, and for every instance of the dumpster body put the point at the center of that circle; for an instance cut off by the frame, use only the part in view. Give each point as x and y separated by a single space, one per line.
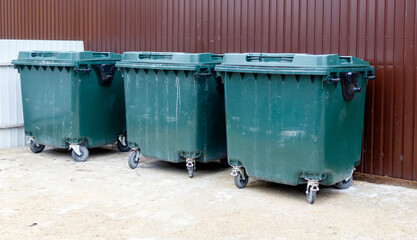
174 107
71 99
294 118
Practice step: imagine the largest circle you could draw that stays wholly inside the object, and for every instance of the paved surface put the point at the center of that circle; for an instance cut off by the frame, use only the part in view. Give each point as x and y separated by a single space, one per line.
49 196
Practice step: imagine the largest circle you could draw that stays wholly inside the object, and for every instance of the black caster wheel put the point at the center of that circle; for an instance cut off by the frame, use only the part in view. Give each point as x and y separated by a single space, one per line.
133 160
121 147
311 195
190 171
84 154
36 148
239 181
345 184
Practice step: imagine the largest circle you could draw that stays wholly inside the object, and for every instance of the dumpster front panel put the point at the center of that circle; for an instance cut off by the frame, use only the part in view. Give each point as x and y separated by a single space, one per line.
293 117
72 97
274 125
172 115
101 107
48 106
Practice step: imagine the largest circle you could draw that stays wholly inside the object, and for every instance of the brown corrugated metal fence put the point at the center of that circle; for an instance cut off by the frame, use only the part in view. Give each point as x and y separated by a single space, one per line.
382 32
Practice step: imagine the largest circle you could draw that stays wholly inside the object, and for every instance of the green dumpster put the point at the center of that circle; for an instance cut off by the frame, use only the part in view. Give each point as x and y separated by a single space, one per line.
294 118
174 107
72 100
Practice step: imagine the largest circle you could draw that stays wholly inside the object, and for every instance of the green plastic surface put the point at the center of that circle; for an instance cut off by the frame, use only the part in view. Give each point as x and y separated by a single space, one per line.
169 60
286 122
62 106
171 113
286 63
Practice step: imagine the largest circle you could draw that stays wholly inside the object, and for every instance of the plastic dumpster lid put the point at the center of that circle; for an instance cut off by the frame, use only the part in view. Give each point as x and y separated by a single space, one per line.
292 60
53 58
290 63
169 60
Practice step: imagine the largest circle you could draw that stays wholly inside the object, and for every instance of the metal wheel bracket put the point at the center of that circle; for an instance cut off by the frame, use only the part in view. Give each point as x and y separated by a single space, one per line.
137 150
137 155
75 148
122 139
314 185
190 163
30 139
236 169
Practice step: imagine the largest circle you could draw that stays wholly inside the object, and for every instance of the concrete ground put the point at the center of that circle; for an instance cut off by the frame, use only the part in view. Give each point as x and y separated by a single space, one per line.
49 196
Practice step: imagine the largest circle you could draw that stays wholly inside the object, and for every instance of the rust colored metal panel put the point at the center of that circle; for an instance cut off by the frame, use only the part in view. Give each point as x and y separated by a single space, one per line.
244 26
369 132
182 31
295 27
142 24
414 130
136 25
211 27
327 26
192 26
383 32
398 157
230 25
317 27
409 83
344 27
302 26
204 22
378 129
264 26
272 36
199 15
163 23
258 25
250 32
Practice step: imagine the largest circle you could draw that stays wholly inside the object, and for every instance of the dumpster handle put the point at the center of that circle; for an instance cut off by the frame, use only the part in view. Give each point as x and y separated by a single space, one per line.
203 74
349 82
101 54
44 54
372 77
105 73
281 58
333 80
82 70
154 56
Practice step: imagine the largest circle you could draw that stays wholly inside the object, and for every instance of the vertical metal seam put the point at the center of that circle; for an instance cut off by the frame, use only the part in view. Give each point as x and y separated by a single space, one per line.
413 152
373 88
392 102
403 87
384 61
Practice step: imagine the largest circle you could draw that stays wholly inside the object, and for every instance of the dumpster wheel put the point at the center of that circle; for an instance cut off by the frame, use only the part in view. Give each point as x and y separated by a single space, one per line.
83 154
190 164
122 144
311 195
345 183
133 159
190 172
35 147
312 188
240 176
